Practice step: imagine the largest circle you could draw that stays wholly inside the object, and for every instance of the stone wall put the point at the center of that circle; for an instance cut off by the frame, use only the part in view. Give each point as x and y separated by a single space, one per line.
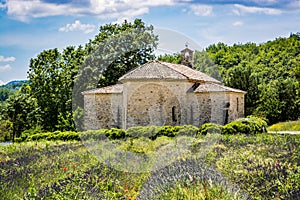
237 106
102 111
160 103
155 103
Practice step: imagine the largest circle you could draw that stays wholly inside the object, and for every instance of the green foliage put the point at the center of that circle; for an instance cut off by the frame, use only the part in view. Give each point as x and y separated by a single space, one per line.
143 131
22 111
115 133
204 63
57 135
196 191
269 72
94 135
169 131
5 130
210 128
51 78
250 126
285 126
174 58
264 166
187 130
10 88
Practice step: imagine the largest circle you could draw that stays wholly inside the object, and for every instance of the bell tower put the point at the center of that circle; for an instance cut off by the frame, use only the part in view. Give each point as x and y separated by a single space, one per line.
187 56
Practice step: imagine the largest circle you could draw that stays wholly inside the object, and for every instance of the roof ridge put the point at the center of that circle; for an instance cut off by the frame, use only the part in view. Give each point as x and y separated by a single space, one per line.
188 68
166 65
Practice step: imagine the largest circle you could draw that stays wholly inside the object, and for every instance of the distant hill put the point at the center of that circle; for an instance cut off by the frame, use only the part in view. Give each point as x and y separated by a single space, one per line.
16 83
9 88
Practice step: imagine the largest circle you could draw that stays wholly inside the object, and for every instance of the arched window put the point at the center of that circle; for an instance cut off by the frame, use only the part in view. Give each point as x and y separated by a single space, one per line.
174 119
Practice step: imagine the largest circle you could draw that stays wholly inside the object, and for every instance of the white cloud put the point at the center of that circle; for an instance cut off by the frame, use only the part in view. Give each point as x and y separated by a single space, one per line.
241 9
2 6
238 23
7 59
5 68
25 9
78 26
201 10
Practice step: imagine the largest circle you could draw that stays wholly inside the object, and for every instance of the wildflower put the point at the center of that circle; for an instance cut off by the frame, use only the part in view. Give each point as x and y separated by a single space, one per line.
291 166
64 168
126 191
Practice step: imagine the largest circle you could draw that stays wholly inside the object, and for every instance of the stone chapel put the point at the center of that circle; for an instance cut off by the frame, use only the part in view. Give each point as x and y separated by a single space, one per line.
161 93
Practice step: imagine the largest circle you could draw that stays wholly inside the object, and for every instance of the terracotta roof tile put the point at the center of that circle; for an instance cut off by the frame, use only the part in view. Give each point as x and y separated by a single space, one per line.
152 70
212 87
163 70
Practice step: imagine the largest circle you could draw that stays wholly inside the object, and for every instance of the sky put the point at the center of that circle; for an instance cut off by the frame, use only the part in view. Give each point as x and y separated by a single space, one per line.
30 26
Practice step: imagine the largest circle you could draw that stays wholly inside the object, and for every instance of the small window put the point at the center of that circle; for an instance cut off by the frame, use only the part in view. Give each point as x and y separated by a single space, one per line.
174 114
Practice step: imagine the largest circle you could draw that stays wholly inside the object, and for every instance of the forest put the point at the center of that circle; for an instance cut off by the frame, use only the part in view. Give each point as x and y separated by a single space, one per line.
269 72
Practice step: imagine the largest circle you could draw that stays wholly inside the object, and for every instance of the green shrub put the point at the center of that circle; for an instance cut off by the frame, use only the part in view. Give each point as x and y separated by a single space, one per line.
57 135
169 131
210 128
25 134
115 133
101 134
286 126
150 132
250 125
187 130
39 136
66 136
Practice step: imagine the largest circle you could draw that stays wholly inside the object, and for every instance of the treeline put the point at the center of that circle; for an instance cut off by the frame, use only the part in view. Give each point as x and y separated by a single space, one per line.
268 72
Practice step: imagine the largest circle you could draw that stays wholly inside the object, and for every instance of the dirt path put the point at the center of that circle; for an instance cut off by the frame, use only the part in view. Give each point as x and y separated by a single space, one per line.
285 132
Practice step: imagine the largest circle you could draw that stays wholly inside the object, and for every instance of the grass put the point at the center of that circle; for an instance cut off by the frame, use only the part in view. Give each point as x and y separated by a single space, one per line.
263 166
285 126
197 191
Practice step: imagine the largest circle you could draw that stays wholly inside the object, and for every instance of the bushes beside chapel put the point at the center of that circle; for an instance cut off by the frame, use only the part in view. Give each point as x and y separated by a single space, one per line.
250 126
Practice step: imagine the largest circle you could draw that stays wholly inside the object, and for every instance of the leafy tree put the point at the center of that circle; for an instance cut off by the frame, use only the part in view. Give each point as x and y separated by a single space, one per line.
269 72
174 58
21 112
51 78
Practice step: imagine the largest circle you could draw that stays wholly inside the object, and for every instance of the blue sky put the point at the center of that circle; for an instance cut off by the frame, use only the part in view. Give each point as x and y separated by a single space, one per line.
31 26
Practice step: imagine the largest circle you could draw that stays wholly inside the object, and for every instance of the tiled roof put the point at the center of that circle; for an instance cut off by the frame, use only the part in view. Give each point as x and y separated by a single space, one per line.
118 88
212 87
163 70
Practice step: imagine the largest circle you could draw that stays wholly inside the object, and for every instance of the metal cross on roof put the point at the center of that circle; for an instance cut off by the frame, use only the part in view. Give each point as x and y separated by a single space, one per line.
186 44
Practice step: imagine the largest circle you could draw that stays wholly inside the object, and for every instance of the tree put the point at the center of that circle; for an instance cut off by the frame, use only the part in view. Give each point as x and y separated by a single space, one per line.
51 76
174 58
21 112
